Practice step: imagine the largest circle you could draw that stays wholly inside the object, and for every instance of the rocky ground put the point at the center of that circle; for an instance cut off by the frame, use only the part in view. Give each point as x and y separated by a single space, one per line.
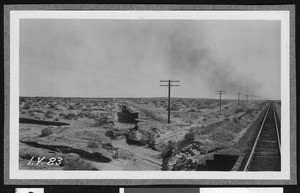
105 134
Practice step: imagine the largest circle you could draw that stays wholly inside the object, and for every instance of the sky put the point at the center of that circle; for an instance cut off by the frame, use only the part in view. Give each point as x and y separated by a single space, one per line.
128 58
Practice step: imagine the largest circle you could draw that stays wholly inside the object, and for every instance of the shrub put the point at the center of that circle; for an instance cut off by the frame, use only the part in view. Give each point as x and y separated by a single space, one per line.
190 137
235 119
81 114
26 106
49 112
239 110
74 162
248 111
176 115
154 129
49 116
38 111
46 132
70 116
62 114
101 120
93 144
115 154
56 119
151 140
167 150
31 112
71 107
52 106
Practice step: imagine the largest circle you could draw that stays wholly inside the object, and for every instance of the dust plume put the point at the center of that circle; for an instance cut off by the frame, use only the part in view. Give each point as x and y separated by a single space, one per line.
191 56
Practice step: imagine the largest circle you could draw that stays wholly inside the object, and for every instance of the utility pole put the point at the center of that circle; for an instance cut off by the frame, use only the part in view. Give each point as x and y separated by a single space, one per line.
220 92
169 95
238 96
247 97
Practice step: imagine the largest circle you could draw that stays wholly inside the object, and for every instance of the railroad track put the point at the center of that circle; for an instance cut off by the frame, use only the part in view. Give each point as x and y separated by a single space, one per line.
265 154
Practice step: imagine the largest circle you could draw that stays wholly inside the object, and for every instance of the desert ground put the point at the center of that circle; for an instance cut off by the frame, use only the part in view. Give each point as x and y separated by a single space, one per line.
132 133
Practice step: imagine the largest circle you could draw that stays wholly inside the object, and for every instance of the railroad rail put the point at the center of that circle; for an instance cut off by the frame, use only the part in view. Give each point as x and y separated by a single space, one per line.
265 154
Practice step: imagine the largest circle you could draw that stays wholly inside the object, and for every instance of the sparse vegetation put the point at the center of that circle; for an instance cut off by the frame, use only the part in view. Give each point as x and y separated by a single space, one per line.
26 106
208 129
49 112
62 114
239 110
167 149
93 144
176 115
190 137
86 114
249 111
38 111
49 116
78 164
70 116
31 112
46 132
101 120
71 107
235 119
151 115
151 140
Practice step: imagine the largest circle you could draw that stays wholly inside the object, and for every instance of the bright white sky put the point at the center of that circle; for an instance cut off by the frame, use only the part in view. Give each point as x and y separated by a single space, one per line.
127 58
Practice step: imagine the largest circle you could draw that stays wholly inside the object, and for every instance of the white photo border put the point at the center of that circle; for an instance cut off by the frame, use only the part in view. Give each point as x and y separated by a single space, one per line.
16 174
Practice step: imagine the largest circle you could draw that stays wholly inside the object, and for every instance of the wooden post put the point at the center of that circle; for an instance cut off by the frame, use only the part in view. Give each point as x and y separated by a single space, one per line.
169 96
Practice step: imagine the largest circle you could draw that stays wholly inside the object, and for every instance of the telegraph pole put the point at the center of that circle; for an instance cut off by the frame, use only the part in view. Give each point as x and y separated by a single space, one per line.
220 92
247 97
238 96
169 95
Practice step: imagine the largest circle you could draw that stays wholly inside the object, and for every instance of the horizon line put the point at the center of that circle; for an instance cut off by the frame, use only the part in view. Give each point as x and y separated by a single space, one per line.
137 97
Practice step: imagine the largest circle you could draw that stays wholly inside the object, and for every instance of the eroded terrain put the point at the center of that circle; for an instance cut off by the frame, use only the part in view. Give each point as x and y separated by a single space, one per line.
131 134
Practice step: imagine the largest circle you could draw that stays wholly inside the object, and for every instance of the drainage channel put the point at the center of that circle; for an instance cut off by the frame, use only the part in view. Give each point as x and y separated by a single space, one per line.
95 156
40 122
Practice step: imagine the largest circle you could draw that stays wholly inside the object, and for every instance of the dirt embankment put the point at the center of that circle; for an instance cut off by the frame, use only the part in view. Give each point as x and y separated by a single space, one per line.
202 142
97 139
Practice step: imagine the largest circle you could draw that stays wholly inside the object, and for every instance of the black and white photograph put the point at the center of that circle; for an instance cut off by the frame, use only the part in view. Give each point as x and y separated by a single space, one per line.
172 94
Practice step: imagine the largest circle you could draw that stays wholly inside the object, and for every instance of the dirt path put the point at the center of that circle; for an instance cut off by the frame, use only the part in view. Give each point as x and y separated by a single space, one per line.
138 158
141 152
